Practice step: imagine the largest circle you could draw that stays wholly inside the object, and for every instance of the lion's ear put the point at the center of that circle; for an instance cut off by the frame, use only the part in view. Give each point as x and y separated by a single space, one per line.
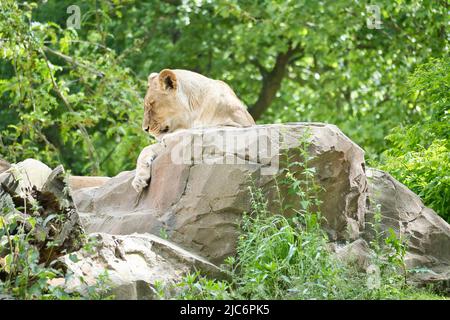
168 79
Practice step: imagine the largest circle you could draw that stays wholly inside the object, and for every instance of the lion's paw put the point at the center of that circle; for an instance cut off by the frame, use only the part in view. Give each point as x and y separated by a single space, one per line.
139 183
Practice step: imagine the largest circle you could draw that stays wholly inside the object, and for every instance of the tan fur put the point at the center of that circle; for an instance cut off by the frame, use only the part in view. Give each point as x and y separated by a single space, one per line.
181 99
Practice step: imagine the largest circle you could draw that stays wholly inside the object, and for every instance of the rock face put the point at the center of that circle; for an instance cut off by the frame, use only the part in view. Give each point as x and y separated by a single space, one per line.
199 202
199 191
427 235
357 253
134 263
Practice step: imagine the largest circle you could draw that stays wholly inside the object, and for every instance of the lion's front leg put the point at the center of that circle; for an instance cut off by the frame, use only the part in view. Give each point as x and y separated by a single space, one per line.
144 168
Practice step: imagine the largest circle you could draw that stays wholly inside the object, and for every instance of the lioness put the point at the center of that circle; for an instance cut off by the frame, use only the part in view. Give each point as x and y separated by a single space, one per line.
181 99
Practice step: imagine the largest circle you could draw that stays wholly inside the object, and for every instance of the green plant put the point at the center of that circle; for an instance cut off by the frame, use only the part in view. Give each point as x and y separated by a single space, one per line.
388 259
281 256
420 151
65 100
21 274
289 258
29 251
163 233
194 286
302 61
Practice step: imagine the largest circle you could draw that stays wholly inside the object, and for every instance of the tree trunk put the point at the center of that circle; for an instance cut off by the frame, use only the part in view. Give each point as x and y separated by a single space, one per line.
272 82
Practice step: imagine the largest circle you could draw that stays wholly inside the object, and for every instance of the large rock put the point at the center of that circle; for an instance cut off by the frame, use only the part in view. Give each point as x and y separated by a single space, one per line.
79 182
28 173
135 265
427 235
357 254
199 204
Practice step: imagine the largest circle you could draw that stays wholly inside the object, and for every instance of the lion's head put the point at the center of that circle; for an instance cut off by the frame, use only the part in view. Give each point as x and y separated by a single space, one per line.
165 105
182 99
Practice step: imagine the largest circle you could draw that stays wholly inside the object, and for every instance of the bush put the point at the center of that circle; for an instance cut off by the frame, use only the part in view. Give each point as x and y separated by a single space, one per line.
36 228
420 152
64 99
289 258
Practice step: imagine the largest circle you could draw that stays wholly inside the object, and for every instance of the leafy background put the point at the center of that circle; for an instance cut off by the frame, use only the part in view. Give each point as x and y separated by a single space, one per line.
74 96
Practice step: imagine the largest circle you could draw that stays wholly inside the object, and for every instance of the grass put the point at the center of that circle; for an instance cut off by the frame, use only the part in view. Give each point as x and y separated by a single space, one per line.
289 258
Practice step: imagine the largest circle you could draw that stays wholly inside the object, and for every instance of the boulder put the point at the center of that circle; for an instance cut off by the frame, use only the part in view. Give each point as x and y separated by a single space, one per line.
199 191
28 173
135 264
79 182
427 235
200 185
356 253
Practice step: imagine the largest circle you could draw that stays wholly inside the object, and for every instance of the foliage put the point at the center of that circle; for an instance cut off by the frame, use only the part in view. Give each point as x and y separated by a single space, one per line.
419 152
297 60
27 254
74 97
287 263
339 71
64 99
280 257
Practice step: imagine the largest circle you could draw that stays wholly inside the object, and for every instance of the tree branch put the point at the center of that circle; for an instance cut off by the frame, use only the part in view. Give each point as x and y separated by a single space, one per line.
74 62
264 72
84 133
272 80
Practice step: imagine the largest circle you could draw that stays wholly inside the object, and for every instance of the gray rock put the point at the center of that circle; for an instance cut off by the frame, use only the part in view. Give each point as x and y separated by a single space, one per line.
427 235
200 204
356 253
134 264
28 173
